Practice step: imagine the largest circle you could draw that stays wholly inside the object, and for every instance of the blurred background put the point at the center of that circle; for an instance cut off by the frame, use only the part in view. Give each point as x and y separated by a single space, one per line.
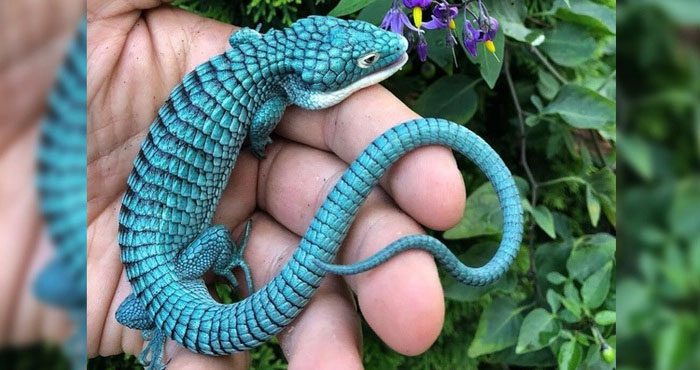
34 39
659 242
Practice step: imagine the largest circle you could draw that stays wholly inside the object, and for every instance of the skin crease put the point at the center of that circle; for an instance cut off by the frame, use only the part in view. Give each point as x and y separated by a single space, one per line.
34 35
137 52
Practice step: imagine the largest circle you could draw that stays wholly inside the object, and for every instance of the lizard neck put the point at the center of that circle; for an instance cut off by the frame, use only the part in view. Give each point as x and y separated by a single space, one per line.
259 68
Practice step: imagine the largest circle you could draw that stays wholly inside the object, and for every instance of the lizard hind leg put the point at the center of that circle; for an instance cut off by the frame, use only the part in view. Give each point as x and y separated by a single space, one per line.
214 250
132 313
152 356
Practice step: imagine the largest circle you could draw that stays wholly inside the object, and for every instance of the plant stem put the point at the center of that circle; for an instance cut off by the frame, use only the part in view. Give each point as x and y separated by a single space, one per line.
548 65
534 185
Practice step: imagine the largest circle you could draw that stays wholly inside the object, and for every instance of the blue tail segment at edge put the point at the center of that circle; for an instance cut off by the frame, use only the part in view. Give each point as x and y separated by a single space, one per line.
488 161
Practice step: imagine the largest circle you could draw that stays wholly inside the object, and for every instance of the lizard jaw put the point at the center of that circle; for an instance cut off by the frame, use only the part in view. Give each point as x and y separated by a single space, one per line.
328 99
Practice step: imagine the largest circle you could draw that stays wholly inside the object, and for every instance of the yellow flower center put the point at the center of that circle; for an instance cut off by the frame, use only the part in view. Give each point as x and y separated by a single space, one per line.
417 16
453 25
490 46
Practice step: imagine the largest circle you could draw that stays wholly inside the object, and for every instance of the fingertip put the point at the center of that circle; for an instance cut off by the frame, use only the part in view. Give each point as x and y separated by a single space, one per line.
428 185
327 333
404 303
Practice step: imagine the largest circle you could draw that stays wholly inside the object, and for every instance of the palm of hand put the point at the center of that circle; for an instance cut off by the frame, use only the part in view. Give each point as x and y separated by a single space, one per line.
134 59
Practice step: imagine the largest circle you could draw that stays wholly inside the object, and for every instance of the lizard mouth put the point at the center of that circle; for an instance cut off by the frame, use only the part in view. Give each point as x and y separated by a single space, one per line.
393 67
319 100
383 73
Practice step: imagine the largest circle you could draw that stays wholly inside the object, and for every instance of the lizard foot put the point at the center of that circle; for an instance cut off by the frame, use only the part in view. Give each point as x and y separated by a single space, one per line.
237 261
214 250
152 356
258 147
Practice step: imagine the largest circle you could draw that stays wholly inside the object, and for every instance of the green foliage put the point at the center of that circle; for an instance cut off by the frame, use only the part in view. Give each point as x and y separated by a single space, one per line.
659 282
546 102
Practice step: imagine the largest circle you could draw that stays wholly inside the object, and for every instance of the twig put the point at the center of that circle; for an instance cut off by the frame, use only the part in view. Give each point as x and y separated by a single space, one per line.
534 185
596 146
549 66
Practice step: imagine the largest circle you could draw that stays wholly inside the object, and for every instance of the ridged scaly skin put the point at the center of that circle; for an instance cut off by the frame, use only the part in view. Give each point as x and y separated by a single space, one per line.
187 157
62 185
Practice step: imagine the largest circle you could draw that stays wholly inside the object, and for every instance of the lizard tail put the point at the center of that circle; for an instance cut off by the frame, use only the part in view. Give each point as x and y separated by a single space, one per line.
185 311
488 161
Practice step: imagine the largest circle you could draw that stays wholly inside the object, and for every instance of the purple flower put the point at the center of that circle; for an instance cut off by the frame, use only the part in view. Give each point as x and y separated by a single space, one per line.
422 48
416 3
489 26
443 17
471 37
395 20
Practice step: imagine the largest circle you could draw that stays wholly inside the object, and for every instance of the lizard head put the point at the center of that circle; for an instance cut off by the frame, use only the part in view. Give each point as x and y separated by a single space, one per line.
332 58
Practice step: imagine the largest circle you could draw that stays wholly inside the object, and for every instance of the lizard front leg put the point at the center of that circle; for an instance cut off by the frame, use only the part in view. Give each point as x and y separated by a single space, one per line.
264 121
214 250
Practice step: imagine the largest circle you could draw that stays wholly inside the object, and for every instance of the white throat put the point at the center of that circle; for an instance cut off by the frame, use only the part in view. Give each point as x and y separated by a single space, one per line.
320 100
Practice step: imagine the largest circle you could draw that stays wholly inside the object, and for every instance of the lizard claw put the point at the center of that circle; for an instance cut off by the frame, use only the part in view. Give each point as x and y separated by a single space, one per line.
152 356
258 147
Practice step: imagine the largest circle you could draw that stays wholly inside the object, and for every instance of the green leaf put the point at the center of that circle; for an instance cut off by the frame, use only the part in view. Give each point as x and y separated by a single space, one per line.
451 97
489 65
510 16
346 7
605 318
604 185
547 85
596 287
544 219
498 327
589 254
556 278
569 45
554 300
570 355
375 11
598 18
439 52
593 205
571 300
678 10
582 108
539 330
638 154
482 215
537 359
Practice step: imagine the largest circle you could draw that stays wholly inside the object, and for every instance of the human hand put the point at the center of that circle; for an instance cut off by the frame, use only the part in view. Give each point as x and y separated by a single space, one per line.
137 52
34 36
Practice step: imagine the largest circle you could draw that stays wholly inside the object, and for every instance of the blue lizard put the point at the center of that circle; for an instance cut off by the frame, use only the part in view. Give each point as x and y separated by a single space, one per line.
61 183
165 232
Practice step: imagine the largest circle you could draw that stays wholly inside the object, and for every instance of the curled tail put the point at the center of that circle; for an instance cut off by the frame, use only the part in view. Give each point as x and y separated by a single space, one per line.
479 152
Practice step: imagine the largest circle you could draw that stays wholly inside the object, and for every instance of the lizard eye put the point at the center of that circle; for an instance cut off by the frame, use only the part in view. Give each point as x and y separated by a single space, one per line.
366 61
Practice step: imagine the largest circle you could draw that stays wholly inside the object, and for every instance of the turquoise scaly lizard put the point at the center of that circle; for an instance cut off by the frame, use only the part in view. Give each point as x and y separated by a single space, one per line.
165 232
61 183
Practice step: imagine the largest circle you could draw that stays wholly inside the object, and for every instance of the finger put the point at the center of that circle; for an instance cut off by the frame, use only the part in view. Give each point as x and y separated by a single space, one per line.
426 184
35 320
402 300
29 26
107 8
327 333
19 223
